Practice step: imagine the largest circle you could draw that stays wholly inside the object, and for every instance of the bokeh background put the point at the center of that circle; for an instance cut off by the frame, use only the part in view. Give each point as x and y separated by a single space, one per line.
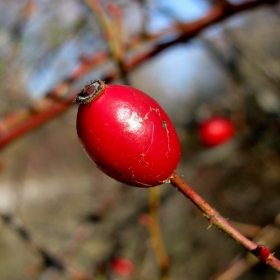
61 217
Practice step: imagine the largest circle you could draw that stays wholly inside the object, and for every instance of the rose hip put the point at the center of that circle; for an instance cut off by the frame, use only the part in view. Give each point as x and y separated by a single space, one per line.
127 134
215 131
122 267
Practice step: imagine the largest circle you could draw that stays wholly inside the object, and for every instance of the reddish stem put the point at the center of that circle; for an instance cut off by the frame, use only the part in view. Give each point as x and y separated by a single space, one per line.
218 221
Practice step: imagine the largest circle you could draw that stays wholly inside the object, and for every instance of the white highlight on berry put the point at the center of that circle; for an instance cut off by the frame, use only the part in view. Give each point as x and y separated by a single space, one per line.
132 120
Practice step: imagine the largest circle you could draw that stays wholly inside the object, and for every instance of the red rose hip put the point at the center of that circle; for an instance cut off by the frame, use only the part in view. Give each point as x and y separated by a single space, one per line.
216 131
122 267
127 134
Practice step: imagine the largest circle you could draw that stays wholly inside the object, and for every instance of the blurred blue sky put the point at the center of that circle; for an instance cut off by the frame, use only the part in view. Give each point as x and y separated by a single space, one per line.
45 72
46 63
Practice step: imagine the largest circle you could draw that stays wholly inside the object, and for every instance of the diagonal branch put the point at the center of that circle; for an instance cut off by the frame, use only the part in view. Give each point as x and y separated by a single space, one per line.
220 222
18 124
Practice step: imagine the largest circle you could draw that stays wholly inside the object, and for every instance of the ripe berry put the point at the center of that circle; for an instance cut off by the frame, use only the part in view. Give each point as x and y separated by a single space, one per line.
216 131
145 220
122 267
127 134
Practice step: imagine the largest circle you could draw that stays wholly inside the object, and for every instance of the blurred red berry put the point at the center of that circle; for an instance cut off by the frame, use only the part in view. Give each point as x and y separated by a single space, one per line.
122 267
216 131
145 220
127 134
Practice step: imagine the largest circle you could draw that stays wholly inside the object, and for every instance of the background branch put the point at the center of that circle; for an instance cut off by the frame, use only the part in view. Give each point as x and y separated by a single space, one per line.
14 126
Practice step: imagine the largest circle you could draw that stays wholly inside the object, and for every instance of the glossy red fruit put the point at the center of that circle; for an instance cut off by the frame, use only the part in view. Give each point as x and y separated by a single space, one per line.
122 267
216 131
127 134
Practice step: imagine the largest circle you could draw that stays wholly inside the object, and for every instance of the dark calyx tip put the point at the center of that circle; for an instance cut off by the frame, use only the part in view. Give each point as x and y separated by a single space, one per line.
90 92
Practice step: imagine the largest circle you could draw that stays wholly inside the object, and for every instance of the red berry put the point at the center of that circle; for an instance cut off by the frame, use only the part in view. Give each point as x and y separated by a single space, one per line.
127 134
262 252
145 219
122 267
216 131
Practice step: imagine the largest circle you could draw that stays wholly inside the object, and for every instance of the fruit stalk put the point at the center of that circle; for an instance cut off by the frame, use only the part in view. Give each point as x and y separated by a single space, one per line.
218 221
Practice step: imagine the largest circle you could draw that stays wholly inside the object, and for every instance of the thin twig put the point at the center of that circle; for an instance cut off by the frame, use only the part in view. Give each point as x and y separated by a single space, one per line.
155 233
269 235
112 29
218 221
49 263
